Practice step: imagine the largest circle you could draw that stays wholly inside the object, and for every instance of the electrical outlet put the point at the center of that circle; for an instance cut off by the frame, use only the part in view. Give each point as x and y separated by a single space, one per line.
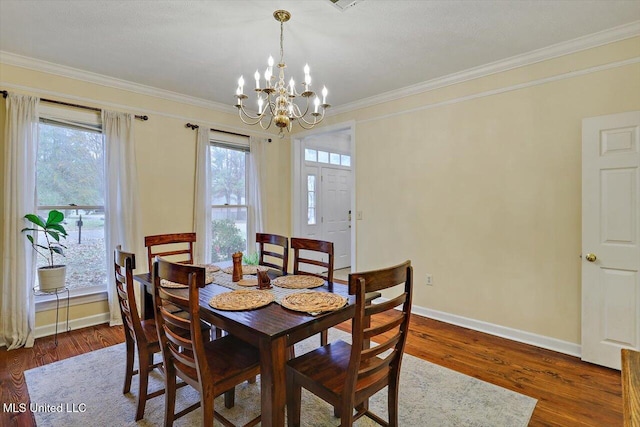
429 280
359 215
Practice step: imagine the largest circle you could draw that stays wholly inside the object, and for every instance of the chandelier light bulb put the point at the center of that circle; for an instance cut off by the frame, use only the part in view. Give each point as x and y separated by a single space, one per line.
257 77
316 103
267 76
324 94
260 102
292 85
270 62
241 84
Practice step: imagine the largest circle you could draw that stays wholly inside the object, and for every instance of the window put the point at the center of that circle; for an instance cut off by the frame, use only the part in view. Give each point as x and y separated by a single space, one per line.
311 199
70 178
323 157
229 199
310 155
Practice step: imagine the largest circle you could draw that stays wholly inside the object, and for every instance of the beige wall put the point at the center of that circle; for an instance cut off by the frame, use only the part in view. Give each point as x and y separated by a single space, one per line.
485 188
484 193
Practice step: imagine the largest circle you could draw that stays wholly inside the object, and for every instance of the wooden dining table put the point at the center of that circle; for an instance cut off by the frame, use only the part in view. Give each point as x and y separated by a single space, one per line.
271 329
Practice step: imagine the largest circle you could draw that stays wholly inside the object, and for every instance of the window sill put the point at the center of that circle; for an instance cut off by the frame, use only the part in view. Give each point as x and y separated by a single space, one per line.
77 297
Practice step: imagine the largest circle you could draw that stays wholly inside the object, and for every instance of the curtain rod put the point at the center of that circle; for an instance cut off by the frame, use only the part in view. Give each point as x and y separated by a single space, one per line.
68 104
194 127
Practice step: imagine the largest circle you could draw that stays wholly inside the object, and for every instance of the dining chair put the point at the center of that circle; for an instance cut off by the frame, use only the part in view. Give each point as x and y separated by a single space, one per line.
305 265
267 246
345 375
181 246
139 334
211 367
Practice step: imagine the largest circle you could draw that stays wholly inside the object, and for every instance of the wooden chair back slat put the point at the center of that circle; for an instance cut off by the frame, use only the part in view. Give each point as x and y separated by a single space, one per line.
267 244
320 246
373 309
156 246
370 333
380 348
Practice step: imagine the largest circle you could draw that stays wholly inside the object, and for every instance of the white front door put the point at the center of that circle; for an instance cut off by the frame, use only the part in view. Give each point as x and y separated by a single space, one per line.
336 220
610 237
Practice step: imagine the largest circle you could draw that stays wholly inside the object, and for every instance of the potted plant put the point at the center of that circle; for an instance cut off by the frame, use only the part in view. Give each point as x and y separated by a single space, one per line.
52 275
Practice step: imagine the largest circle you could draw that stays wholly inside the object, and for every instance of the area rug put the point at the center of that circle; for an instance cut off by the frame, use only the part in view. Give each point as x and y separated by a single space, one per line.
87 390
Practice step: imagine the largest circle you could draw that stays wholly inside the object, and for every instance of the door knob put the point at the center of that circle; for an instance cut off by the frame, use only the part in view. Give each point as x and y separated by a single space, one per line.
591 257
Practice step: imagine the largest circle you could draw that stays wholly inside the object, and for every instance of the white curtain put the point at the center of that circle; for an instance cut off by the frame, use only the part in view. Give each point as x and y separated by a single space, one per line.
122 210
257 188
17 309
202 205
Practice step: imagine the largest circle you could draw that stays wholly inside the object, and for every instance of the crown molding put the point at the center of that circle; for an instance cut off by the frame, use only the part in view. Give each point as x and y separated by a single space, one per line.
582 43
87 76
565 48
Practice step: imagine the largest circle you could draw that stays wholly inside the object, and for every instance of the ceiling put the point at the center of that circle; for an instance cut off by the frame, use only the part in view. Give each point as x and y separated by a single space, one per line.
200 48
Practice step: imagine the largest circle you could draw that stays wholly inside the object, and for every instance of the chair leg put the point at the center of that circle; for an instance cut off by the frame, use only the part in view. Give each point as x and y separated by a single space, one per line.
324 337
294 400
230 398
392 403
346 418
170 395
129 368
206 403
145 360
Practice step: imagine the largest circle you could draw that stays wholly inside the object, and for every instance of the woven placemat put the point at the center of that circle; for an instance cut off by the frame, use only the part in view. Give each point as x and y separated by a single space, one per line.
313 302
208 279
246 269
211 268
298 281
243 299
247 282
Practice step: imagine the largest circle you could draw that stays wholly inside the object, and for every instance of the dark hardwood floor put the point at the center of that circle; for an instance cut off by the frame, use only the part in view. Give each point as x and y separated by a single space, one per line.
569 391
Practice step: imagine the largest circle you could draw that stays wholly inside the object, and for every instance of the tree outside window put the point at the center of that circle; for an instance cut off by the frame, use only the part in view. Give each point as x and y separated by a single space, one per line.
229 200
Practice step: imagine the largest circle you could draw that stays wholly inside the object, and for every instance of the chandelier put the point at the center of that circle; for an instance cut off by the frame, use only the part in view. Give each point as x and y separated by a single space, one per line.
277 100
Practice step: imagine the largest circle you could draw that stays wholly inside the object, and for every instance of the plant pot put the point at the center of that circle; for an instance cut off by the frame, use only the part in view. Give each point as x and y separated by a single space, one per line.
51 278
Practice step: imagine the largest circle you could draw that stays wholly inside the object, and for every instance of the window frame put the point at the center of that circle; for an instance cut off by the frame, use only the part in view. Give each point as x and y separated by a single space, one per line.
241 144
90 121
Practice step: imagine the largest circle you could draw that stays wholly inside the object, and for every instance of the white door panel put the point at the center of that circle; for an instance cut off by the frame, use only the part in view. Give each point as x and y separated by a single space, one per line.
336 202
611 232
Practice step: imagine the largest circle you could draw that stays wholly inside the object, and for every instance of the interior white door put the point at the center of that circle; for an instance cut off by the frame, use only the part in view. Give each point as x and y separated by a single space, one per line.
610 237
336 220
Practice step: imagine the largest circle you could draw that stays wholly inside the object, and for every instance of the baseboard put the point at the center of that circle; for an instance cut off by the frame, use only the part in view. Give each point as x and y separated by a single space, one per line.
84 322
501 331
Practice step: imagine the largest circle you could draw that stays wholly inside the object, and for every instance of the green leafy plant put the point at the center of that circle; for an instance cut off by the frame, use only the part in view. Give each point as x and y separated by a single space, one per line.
53 231
226 240
251 259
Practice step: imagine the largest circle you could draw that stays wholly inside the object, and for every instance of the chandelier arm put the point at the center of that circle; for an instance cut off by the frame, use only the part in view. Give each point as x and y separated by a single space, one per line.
302 120
246 114
268 124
